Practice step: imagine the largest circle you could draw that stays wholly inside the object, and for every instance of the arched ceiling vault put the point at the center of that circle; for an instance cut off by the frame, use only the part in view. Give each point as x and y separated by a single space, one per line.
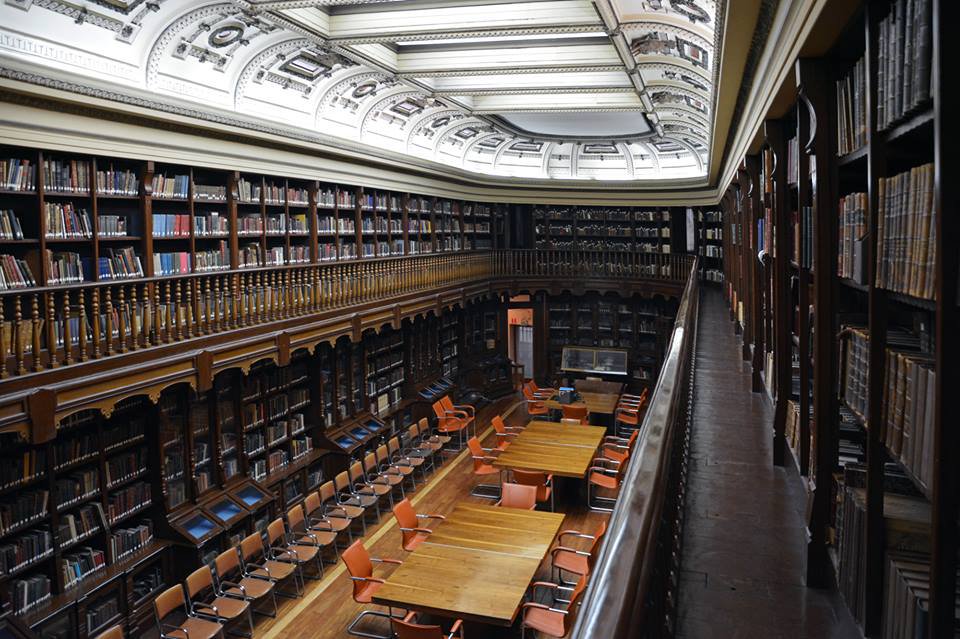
435 80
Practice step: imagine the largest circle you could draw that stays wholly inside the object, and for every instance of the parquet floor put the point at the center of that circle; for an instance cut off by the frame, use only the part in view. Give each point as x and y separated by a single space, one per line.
327 606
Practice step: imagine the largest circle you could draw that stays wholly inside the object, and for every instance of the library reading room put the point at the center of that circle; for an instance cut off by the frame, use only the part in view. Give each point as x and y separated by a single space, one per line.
478 319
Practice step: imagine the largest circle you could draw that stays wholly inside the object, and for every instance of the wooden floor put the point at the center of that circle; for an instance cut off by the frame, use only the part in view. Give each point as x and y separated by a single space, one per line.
743 567
328 607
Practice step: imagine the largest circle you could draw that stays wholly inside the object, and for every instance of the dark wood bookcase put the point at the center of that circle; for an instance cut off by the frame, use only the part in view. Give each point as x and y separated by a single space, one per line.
843 281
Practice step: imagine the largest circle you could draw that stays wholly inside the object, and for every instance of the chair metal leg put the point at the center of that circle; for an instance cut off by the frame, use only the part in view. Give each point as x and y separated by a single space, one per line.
351 630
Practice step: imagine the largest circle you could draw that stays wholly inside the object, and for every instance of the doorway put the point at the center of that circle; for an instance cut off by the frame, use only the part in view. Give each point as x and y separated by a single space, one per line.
520 344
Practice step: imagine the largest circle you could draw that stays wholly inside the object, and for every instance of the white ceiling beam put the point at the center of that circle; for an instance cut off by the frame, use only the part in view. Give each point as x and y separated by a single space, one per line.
397 24
513 58
578 102
557 82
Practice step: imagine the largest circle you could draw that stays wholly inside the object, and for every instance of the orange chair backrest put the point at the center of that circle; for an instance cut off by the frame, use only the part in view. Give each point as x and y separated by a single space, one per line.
518 496
327 491
226 563
296 520
406 518
393 445
476 450
574 606
439 410
312 502
168 601
575 412
275 531
198 581
498 424
358 564
251 546
355 472
528 392
410 630
382 454
539 480
423 426
115 632
370 464
446 402
341 481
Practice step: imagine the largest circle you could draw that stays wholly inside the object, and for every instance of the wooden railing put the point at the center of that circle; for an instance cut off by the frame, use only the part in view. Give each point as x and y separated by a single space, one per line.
48 328
632 590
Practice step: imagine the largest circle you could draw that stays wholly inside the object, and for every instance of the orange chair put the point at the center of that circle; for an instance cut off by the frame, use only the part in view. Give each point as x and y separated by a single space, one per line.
617 448
314 533
626 420
192 626
578 412
482 466
578 562
382 484
541 390
504 432
257 563
450 423
470 411
549 620
427 441
400 462
412 535
407 628
535 405
204 600
231 582
414 446
360 566
519 496
542 481
336 508
364 495
332 518
605 474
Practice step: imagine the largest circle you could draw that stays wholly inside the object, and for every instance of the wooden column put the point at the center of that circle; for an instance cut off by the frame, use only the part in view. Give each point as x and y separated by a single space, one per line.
755 280
814 82
773 130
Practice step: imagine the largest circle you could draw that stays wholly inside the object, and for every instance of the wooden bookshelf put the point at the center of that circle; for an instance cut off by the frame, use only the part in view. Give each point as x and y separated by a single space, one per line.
848 172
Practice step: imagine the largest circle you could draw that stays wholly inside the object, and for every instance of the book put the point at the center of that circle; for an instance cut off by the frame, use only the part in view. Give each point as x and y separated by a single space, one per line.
66 176
171 187
906 233
15 273
904 62
852 109
18 175
115 182
64 221
853 226
10 228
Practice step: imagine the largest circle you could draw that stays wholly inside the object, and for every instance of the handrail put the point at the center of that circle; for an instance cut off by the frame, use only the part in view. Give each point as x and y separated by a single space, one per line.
624 598
49 327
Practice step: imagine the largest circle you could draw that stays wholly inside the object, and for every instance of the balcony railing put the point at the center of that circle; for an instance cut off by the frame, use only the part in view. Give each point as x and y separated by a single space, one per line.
632 589
48 328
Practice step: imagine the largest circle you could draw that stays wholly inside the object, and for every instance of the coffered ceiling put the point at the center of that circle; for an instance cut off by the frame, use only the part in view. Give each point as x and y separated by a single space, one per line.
603 90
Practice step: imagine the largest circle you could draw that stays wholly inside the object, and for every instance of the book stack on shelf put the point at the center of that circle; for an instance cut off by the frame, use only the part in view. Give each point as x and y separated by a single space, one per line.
852 109
906 227
904 60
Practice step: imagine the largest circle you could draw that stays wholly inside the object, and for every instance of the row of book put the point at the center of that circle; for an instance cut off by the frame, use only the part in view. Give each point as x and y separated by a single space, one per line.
126 466
128 500
70 450
211 225
803 237
80 524
22 508
852 109
906 233
64 221
904 60
177 186
21 468
10 228
112 226
79 565
851 256
102 612
907 420
906 526
66 176
25 549
171 225
76 486
299 447
17 175
26 594
115 182
907 602
126 541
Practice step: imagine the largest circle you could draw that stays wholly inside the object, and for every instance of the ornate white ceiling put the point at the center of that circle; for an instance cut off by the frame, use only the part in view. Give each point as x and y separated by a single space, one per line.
487 86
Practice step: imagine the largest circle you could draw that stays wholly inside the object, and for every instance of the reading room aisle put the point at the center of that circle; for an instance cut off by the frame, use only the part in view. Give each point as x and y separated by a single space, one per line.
742 568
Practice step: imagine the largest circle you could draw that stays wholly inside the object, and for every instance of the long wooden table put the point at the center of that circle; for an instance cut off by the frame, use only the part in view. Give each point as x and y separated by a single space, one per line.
598 403
476 565
565 451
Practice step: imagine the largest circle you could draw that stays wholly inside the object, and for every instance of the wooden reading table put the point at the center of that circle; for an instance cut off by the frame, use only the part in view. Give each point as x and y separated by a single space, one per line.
549 447
596 403
476 565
